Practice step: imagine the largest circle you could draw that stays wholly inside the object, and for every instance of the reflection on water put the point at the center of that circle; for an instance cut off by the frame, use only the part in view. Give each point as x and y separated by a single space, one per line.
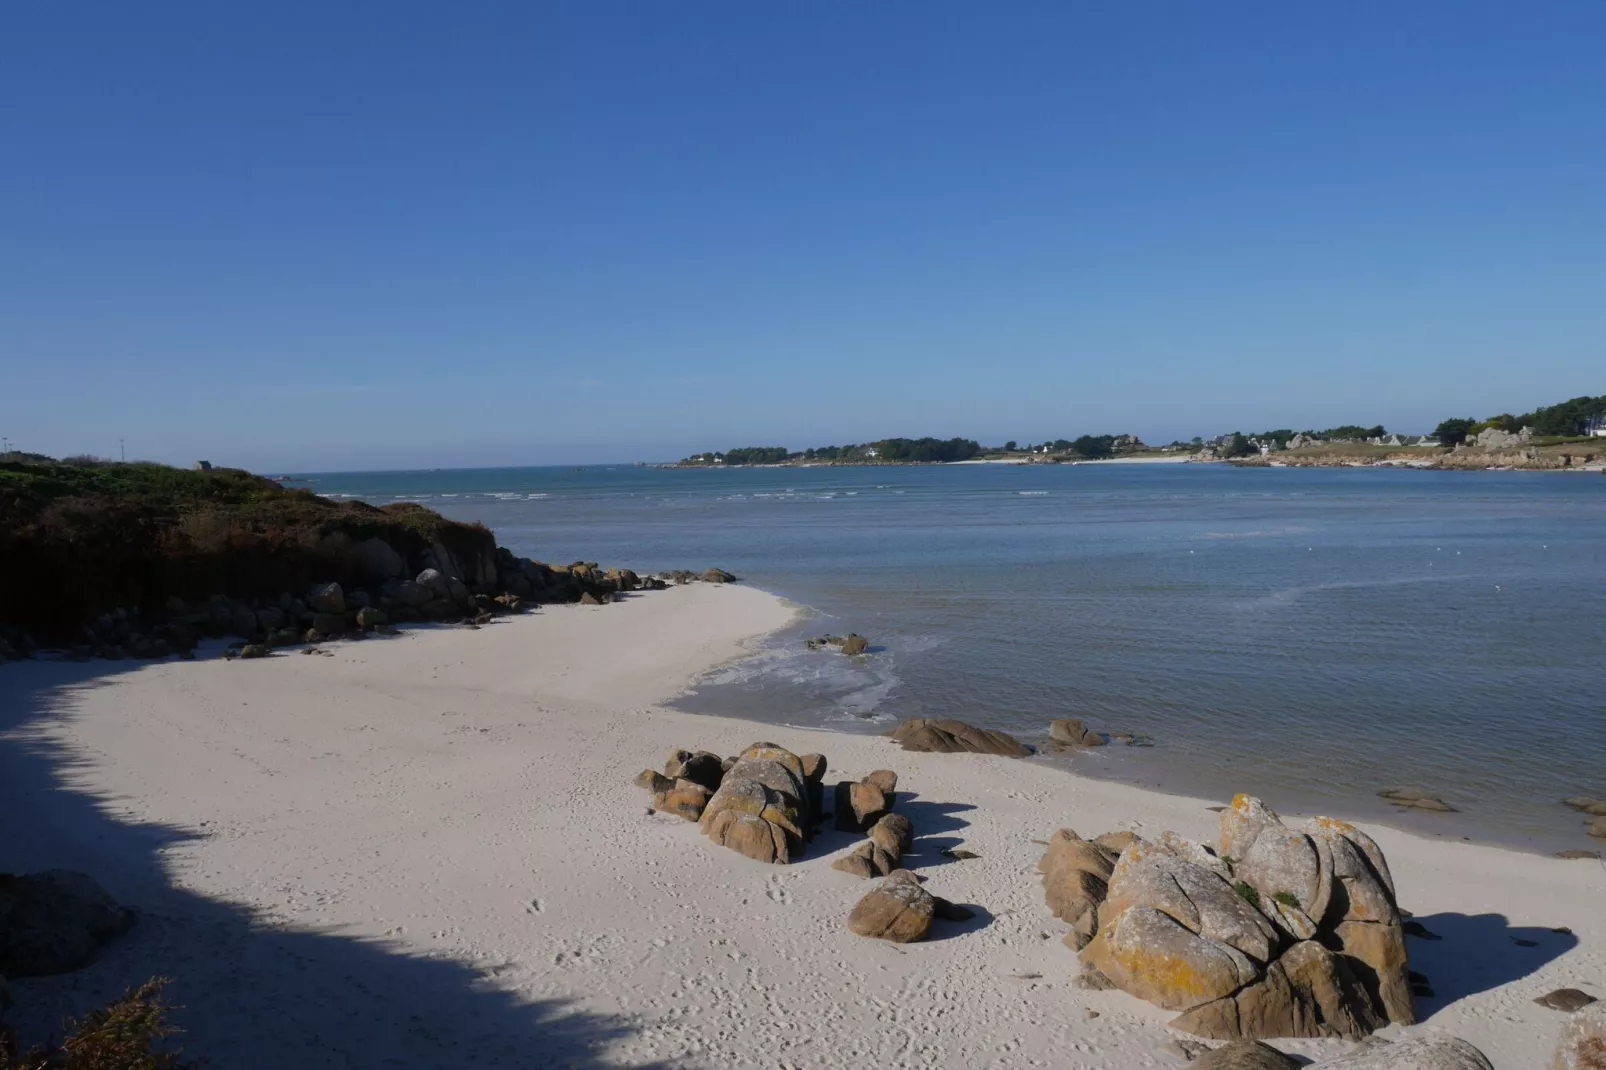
1310 635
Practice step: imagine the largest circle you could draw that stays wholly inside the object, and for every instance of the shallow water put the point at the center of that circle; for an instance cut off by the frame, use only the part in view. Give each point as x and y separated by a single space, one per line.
1311 635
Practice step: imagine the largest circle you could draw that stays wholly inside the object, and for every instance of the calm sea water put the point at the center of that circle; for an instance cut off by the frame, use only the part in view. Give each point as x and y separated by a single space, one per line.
1310 635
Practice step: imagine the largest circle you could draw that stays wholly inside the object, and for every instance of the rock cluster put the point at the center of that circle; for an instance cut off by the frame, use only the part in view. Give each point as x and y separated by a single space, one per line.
866 806
1282 932
53 922
1594 810
469 588
850 644
957 737
1070 733
898 908
762 803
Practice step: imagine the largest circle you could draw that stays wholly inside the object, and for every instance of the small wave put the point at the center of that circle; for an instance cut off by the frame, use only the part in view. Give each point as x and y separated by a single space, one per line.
1032 493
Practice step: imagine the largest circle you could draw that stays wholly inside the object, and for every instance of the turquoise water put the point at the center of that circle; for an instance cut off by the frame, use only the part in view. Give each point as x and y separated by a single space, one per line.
1312 635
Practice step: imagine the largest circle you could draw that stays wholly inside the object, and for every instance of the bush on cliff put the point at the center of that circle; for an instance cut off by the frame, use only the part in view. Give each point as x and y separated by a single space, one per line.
79 539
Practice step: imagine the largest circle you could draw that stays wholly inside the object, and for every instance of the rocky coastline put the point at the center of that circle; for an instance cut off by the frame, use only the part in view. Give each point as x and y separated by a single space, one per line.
144 561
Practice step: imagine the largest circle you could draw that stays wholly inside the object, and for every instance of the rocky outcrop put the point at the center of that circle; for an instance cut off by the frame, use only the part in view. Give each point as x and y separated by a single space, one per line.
1587 804
957 737
897 909
1284 932
851 644
55 921
765 786
1583 1041
1076 875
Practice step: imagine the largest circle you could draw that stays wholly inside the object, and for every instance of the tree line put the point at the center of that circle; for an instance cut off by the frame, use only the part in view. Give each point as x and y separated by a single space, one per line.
910 450
1569 419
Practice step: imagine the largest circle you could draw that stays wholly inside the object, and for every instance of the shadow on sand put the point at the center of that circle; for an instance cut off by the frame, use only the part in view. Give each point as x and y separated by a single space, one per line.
251 995
1478 952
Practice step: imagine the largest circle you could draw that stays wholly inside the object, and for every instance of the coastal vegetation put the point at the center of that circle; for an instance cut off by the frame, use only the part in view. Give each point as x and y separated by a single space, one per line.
883 451
1579 417
144 559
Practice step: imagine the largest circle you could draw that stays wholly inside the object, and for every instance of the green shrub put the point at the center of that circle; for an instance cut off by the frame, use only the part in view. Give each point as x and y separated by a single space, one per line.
1287 899
1247 893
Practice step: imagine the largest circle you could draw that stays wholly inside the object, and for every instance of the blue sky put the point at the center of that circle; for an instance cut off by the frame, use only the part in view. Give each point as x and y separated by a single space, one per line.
388 234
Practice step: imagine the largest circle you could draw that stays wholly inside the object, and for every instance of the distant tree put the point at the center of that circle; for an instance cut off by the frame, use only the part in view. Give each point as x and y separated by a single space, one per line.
1237 446
1567 419
1454 431
1094 447
1344 431
1009 447
926 449
757 455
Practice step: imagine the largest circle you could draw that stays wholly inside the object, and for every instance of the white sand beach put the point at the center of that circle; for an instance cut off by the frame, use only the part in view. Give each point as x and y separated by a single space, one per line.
426 851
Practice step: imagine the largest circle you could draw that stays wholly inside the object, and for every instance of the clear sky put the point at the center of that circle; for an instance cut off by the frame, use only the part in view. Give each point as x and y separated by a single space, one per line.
393 234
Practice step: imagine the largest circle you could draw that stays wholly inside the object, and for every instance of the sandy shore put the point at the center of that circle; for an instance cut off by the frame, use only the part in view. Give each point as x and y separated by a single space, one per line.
426 852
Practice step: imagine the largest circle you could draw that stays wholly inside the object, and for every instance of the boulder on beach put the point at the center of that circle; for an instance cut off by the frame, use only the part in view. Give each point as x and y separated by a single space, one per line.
1244 1055
1586 804
750 835
897 909
867 859
653 781
855 644
765 782
701 767
858 805
885 779
326 598
1566 1000
55 921
683 798
1284 932
893 833
1597 829
1076 874
1071 732
718 575
956 737
1421 1053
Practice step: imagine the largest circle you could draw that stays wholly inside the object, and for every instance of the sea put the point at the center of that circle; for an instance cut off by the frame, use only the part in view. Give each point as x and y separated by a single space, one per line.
1313 636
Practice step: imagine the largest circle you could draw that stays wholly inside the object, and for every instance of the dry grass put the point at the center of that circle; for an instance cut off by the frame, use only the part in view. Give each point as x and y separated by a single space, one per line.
126 1035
